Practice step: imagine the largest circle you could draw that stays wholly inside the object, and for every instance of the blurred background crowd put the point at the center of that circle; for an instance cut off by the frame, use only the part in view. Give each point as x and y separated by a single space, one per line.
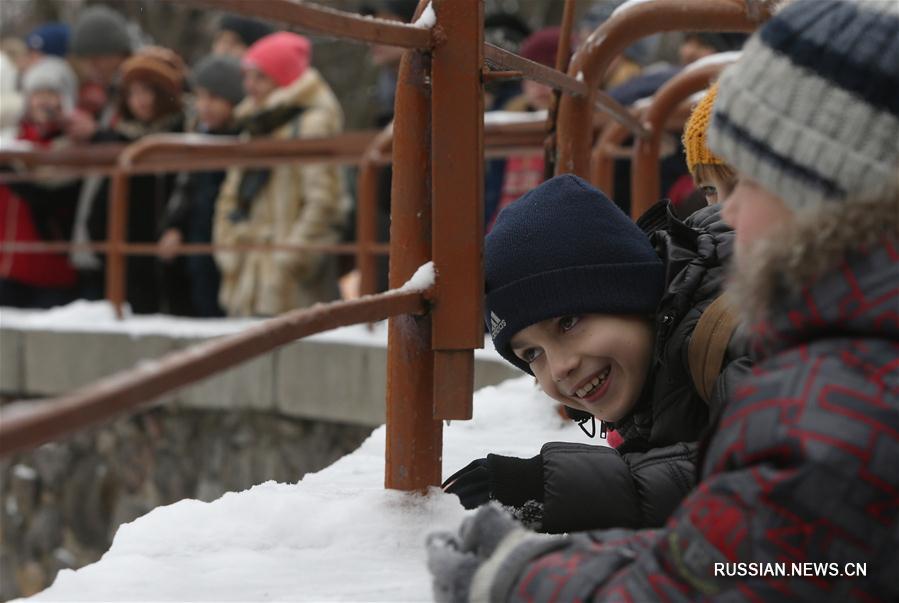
78 72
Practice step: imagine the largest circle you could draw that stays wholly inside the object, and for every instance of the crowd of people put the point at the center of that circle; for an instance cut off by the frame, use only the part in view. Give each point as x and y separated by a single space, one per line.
90 82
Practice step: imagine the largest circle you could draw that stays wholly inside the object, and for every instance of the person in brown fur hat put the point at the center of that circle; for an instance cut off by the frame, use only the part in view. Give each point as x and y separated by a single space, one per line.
151 103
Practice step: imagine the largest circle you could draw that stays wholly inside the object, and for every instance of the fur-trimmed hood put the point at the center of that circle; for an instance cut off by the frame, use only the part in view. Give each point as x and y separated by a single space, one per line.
828 270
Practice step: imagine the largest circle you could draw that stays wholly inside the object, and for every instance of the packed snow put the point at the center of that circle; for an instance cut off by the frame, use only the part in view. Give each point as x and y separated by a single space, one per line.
428 18
336 535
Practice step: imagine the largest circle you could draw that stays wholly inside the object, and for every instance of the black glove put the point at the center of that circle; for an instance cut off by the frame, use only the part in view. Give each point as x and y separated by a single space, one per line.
471 484
511 481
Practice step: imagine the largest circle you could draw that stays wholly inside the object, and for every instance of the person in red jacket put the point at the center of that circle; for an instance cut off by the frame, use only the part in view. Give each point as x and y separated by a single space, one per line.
799 491
42 210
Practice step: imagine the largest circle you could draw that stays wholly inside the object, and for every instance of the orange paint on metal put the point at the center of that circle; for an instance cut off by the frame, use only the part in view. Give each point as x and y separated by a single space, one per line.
414 441
457 189
116 267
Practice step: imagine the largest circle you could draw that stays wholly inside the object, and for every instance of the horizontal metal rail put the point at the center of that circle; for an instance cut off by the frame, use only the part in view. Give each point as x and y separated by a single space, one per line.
328 21
521 67
127 390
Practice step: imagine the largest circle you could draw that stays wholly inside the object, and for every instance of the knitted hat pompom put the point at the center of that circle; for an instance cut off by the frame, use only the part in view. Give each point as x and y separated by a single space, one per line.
564 248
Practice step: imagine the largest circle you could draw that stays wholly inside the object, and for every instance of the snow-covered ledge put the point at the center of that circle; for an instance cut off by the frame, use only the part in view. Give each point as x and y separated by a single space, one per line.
335 376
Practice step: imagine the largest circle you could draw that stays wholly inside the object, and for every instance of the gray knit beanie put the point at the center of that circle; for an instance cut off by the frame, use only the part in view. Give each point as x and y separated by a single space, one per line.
52 73
99 30
221 75
811 109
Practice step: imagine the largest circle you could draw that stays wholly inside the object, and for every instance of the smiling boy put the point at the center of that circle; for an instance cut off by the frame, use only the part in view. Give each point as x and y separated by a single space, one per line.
601 311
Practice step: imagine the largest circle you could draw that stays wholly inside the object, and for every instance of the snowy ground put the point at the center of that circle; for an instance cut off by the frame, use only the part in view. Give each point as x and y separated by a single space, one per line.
337 535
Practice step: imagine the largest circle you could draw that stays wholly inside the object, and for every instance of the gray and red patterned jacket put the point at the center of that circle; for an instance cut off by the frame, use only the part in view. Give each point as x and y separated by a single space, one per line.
803 466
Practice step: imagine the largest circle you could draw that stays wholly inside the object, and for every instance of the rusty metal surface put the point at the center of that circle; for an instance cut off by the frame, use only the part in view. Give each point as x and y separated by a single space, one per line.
499 57
325 20
367 208
457 191
116 229
129 389
645 177
414 443
616 34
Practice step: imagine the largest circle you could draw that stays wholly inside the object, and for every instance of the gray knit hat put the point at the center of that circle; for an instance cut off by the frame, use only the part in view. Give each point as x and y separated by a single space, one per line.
221 75
811 108
52 73
99 30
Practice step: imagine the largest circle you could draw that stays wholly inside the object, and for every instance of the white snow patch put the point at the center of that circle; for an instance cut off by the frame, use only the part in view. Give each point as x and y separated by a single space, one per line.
428 17
422 279
514 117
336 535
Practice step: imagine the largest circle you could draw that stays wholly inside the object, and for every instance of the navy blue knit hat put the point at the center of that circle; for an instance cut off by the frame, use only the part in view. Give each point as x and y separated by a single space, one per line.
49 38
565 249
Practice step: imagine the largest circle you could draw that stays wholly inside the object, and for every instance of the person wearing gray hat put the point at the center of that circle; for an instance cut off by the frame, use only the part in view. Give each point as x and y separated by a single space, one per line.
221 76
99 30
218 83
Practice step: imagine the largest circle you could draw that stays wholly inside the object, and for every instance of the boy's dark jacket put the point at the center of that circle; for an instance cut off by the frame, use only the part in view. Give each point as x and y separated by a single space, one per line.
580 486
801 467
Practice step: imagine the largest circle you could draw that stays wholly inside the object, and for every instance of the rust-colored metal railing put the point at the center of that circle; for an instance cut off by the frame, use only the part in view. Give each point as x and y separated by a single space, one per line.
617 33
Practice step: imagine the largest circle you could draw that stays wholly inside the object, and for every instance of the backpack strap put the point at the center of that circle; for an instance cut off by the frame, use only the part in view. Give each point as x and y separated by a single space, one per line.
708 344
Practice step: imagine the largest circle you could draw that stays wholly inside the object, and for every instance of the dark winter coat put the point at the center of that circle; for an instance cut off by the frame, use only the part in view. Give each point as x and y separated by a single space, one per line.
640 483
190 210
802 466
148 196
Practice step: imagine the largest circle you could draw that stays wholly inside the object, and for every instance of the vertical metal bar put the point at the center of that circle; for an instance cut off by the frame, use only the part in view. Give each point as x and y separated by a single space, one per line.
414 439
457 108
366 230
117 221
562 53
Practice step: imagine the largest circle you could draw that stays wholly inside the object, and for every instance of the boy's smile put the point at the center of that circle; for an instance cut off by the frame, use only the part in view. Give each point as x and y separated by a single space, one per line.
595 362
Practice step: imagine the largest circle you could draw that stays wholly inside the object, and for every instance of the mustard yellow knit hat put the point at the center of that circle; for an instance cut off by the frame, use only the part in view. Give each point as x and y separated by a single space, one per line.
695 132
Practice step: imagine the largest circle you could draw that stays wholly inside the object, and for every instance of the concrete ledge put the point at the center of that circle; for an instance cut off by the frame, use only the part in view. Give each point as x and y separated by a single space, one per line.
317 379
10 361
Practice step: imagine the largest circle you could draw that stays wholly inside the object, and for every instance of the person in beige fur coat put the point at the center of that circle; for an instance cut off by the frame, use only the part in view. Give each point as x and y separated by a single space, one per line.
285 204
